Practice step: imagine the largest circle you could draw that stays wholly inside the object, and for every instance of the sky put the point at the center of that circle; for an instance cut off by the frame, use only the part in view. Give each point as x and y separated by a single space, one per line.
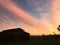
34 16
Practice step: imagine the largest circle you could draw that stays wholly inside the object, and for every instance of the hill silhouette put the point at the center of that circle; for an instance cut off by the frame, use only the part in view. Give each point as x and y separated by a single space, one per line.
16 34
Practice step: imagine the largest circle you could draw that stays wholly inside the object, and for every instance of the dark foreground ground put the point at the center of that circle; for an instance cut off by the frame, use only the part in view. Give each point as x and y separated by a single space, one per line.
36 40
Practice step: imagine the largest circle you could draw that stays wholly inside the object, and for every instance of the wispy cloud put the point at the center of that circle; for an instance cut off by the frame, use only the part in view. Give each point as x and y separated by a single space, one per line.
19 12
28 21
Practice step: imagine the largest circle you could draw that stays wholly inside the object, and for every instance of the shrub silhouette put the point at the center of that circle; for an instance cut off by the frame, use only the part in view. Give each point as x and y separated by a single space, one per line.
16 34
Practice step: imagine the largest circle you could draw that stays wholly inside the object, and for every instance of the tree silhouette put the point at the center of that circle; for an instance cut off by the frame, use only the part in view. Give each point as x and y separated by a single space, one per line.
58 27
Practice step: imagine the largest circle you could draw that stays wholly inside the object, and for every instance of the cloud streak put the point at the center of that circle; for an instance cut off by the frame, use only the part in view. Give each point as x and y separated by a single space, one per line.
19 12
28 22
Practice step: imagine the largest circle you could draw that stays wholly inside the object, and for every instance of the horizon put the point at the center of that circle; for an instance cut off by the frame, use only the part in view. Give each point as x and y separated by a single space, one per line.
30 34
36 17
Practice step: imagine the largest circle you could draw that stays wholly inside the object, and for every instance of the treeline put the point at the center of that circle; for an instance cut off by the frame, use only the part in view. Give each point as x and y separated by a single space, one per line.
47 37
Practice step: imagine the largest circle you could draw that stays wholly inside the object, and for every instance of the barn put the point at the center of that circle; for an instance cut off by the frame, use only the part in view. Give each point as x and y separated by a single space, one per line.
16 34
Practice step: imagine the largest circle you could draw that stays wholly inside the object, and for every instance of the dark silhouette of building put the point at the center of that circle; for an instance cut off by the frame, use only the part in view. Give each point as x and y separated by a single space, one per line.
16 34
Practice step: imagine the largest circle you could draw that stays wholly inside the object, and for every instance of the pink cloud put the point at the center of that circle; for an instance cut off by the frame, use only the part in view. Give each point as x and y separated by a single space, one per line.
19 12
26 18
55 12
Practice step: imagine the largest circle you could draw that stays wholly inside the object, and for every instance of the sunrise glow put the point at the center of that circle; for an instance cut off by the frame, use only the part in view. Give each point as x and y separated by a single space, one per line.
13 15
